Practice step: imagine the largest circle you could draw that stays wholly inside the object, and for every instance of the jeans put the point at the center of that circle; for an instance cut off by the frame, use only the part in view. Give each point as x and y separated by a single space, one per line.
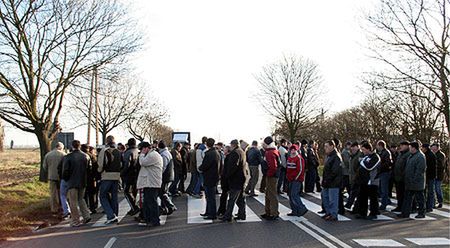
407 204
282 181
438 189
108 197
368 192
235 197
173 189
310 179
63 196
150 206
384 189
198 185
295 201
430 194
211 208
330 199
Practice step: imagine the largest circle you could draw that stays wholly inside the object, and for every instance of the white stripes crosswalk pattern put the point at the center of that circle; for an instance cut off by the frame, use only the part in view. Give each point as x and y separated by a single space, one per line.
123 209
438 241
378 243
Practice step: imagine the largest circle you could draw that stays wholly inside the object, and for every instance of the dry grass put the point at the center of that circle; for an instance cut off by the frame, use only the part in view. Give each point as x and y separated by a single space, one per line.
18 166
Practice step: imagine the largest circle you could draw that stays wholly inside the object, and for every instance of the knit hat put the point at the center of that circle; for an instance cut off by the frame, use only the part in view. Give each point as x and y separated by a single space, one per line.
268 140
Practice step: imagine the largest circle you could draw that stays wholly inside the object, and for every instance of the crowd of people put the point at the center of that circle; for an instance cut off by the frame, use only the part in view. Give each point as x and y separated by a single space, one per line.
360 175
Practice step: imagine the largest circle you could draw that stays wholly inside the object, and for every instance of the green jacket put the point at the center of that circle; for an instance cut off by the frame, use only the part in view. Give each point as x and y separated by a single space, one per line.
354 165
415 172
399 166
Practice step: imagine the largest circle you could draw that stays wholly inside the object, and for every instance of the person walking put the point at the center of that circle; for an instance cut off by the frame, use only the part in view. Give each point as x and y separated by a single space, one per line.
431 172
91 180
254 160
50 164
168 176
150 181
368 181
129 173
414 181
184 166
178 170
384 173
210 168
331 181
440 172
193 170
272 172
399 174
75 173
109 164
295 173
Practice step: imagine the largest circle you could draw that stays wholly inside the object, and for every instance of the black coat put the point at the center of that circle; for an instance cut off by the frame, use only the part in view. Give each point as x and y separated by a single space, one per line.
130 166
431 165
210 167
332 171
386 161
441 165
234 170
74 170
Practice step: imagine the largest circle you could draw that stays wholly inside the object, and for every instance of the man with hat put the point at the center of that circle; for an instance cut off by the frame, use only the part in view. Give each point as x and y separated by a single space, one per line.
273 161
399 174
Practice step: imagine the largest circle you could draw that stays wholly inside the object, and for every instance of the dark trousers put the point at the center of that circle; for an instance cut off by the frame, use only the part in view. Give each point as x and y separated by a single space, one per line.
223 199
192 182
151 209
262 186
211 208
166 203
400 190
91 197
235 197
407 202
130 192
173 189
282 181
181 187
310 179
354 192
318 185
368 192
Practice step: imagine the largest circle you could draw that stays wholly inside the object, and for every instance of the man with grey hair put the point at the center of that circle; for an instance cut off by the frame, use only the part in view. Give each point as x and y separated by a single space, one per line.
50 164
109 164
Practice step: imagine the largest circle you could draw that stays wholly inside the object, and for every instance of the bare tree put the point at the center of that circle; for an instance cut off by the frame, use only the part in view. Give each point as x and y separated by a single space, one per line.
44 46
289 92
2 136
143 126
411 38
118 103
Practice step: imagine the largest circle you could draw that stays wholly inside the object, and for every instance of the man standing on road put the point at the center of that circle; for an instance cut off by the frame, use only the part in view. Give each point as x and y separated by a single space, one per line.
210 168
414 181
355 158
431 160
129 173
368 181
311 170
234 174
440 170
282 182
178 170
399 174
273 161
385 173
168 176
109 164
184 166
150 180
75 173
254 160
295 173
331 181
50 164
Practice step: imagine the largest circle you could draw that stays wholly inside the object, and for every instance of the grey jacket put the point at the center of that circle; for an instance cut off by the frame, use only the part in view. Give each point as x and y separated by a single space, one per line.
415 172
75 169
400 164
51 162
346 156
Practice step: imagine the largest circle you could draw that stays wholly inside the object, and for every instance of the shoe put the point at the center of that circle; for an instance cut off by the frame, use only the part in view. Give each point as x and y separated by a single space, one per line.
253 195
262 191
66 216
240 218
331 218
171 210
93 211
402 216
196 196
271 218
358 216
397 209
223 219
264 216
326 216
209 218
372 217
85 221
382 208
429 210
75 224
439 205
291 214
303 213
280 192
113 220
321 212
420 216
204 215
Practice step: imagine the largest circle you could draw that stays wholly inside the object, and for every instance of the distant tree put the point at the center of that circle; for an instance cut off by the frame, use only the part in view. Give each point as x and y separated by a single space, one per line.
143 126
45 45
289 91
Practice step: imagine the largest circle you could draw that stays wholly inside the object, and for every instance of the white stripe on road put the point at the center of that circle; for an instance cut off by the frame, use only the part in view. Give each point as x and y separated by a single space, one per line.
435 211
195 208
315 208
314 235
123 209
110 242
323 232
281 208
412 216
378 243
250 215
430 241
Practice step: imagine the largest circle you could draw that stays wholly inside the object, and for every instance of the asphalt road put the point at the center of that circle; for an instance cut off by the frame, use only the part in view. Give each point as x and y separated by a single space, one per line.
185 228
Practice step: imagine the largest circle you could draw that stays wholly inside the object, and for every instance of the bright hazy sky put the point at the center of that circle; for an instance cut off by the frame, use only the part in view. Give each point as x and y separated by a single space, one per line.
200 58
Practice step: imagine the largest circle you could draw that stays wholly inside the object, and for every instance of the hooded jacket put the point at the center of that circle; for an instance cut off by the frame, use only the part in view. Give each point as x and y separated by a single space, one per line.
272 157
368 171
130 168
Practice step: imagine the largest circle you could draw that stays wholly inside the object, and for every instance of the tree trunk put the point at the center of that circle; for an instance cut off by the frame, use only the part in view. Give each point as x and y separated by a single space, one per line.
104 137
2 136
45 146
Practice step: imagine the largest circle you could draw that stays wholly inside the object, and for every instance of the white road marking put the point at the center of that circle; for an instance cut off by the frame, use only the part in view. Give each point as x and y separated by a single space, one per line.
251 216
378 243
195 208
314 235
281 208
123 209
323 232
315 208
412 216
110 242
430 241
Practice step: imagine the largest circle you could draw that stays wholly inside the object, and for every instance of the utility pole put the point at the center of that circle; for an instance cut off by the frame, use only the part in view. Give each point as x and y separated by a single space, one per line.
96 107
91 102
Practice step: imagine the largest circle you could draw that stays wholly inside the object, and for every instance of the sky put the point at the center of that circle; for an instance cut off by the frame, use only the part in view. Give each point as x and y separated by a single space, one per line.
200 58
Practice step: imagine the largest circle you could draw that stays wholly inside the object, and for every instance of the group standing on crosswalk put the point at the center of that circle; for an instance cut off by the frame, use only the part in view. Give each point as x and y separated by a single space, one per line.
150 176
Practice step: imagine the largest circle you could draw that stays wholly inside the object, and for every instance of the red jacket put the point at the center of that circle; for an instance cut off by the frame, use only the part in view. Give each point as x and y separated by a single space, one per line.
295 169
272 156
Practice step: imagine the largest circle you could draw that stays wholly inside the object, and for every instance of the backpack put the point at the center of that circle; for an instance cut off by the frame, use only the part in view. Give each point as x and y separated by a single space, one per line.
113 160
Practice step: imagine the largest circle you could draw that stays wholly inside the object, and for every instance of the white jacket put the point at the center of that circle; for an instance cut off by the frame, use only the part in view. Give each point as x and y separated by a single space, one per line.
150 174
